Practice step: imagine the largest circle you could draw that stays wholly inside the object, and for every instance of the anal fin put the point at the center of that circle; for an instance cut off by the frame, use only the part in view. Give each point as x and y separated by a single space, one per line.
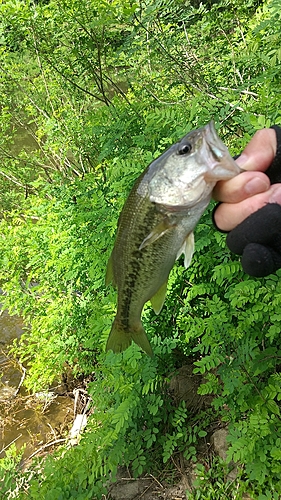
158 299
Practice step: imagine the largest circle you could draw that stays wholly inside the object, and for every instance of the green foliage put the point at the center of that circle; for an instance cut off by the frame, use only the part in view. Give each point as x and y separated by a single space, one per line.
124 429
92 92
184 437
212 482
11 478
234 326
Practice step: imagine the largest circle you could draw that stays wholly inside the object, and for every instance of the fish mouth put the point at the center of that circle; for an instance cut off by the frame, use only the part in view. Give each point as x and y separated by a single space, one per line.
222 165
215 144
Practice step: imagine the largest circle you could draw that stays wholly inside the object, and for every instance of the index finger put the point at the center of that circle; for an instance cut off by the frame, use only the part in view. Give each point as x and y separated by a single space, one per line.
241 187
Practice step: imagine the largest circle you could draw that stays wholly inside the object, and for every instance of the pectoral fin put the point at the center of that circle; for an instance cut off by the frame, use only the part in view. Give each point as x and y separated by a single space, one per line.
159 230
158 299
187 249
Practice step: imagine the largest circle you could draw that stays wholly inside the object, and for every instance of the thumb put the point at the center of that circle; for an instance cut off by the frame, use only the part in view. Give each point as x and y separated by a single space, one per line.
259 152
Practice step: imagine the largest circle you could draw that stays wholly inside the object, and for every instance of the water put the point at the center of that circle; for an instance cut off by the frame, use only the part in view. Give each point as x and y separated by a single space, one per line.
25 419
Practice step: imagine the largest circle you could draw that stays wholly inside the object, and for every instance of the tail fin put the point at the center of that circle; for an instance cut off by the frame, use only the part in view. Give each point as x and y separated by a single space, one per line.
119 340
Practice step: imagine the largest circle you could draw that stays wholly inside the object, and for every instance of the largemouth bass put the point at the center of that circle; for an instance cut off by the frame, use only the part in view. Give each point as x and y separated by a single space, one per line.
156 226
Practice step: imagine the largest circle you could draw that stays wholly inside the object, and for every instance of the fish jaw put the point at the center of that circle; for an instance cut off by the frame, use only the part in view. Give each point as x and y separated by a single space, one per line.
220 164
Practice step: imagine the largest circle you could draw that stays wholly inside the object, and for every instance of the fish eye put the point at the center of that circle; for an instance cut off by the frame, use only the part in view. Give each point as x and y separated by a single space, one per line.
185 148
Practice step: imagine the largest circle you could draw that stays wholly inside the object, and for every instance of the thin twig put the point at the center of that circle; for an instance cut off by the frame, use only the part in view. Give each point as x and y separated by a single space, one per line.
52 430
42 71
46 446
254 94
144 492
14 440
21 380
12 179
156 480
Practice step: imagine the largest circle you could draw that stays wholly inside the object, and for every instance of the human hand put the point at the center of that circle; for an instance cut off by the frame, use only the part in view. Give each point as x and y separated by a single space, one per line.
256 237
251 190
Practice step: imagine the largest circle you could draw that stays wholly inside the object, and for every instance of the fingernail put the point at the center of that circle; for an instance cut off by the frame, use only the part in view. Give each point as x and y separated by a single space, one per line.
242 160
275 195
256 185
246 162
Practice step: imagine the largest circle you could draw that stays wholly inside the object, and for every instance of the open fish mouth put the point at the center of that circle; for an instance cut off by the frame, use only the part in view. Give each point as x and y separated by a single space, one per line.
221 164
214 142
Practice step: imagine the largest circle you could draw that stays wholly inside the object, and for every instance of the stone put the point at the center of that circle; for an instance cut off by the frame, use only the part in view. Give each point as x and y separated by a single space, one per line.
220 446
184 385
219 443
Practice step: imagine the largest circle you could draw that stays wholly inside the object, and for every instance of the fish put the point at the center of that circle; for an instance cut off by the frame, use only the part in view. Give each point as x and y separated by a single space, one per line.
156 226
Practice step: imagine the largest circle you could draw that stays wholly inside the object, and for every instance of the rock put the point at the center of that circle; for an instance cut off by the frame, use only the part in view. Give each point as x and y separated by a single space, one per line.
220 446
129 489
125 490
219 443
184 385
144 488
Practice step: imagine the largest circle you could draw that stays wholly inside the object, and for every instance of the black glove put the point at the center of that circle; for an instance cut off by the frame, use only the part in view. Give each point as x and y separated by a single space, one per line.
258 238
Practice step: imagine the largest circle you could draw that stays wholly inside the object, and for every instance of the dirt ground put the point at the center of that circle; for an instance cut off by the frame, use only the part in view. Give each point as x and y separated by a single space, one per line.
146 488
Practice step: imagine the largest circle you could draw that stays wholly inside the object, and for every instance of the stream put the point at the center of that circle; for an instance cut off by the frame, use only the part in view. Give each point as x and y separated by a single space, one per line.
26 419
